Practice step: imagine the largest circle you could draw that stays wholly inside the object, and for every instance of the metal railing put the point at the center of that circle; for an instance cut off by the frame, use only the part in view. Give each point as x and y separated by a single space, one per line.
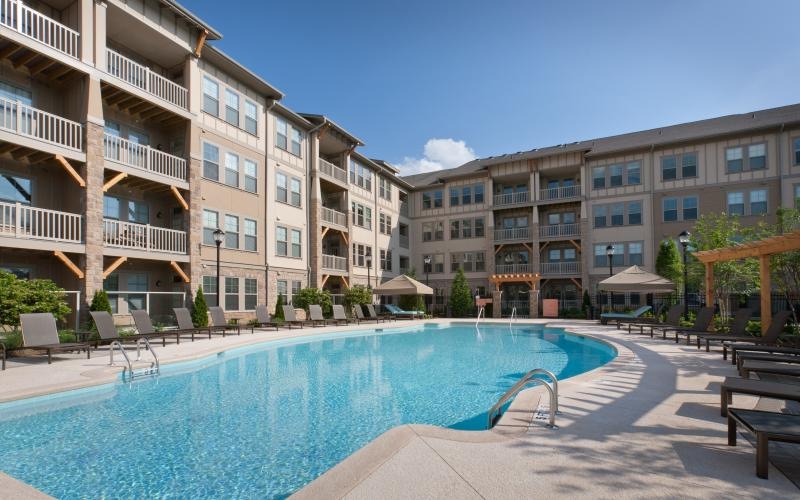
329 169
512 198
334 262
560 230
512 268
519 233
332 216
403 241
559 268
143 237
155 365
559 193
144 78
23 221
157 304
529 378
33 24
40 125
143 157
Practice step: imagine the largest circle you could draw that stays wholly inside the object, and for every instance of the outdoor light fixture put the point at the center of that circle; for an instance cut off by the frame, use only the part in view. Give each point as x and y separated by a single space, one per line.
427 261
368 261
684 239
610 254
219 236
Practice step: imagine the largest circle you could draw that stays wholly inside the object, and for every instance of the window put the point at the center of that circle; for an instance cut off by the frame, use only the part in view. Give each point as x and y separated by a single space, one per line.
250 293
281 133
385 188
615 175
690 208
554 255
797 151
478 193
362 216
601 257
432 199
385 223
455 199
432 231
466 195
362 254
570 254
757 156
210 161
689 165
634 254
297 247
297 142
599 177
360 175
600 213
635 212
797 195
466 228
758 202
281 241
232 169
210 224
15 189
250 235
386 260
736 203
231 107
634 173
468 261
138 212
250 176
296 287
296 192
250 117
734 160
231 294
210 96
436 265
111 207
479 230
617 214
282 288
231 231
281 185
210 290
670 209
669 168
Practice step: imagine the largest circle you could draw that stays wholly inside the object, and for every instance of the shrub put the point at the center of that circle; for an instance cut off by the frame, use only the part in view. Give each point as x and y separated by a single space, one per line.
572 313
357 295
18 296
308 296
460 296
279 309
200 309
99 303
12 339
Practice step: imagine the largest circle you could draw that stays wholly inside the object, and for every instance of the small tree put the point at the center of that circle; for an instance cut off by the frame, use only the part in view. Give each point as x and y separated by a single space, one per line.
357 295
99 303
308 296
460 295
19 296
668 261
200 309
279 309
587 303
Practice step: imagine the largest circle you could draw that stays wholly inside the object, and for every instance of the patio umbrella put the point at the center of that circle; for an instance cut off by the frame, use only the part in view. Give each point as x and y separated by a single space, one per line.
402 285
635 279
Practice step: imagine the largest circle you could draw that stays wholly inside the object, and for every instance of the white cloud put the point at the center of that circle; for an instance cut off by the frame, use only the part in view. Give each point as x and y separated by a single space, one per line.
438 154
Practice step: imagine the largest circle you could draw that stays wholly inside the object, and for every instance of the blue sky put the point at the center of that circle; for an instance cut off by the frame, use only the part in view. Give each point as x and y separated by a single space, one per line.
494 76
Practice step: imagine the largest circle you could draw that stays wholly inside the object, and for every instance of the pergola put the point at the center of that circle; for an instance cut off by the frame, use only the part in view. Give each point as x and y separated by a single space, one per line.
763 250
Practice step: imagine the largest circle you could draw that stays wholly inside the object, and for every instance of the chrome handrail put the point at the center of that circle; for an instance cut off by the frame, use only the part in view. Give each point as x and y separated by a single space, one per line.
155 362
118 345
482 310
513 316
528 378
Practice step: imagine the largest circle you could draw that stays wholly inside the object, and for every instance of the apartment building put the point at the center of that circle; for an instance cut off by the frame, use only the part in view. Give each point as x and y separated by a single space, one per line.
537 224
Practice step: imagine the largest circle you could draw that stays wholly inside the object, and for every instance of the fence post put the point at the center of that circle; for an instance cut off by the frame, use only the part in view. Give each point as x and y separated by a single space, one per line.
18 221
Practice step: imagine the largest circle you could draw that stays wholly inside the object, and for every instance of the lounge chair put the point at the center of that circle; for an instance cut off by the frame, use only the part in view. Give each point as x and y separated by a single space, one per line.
291 318
39 333
184 318
624 317
769 338
315 315
673 320
400 313
761 388
738 328
220 324
767 426
741 357
338 314
145 327
738 349
263 319
107 331
702 324
359 314
374 315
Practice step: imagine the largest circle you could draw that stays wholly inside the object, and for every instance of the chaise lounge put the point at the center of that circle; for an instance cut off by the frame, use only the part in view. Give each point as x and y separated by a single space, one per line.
39 333
338 314
263 319
400 313
291 318
737 330
144 325
624 317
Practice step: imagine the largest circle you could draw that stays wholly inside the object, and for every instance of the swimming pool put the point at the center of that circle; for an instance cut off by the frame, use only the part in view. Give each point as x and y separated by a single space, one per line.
263 421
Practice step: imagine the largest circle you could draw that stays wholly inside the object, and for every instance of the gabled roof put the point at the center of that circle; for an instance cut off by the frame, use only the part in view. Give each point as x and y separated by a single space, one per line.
225 62
192 19
322 119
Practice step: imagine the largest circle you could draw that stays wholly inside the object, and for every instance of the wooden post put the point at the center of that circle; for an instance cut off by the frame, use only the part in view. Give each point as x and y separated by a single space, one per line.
766 295
709 284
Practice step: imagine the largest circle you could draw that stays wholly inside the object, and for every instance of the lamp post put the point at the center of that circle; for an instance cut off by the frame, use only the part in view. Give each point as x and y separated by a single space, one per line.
219 236
427 262
684 239
610 254
369 269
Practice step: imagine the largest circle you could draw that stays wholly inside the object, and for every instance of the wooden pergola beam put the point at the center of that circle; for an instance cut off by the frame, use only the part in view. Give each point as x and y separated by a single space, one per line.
114 181
68 262
178 196
70 170
767 246
177 268
113 267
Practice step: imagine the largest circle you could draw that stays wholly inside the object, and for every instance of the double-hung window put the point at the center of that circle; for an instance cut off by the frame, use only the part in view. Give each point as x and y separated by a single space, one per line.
757 156
250 176
635 254
250 117
210 161
232 169
618 214
734 160
210 224
670 209
736 203
455 199
634 212
250 235
598 177
250 293
296 192
615 175
231 294
209 289
297 142
634 173
600 215
758 201
210 96
231 107
669 168
281 241
297 247
466 195
689 165
386 260
385 188
231 231
796 144
281 183
690 208
281 133
478 193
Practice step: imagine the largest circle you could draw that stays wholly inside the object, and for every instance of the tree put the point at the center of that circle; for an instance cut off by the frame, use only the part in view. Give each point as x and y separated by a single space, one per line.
308 296
460 295
357 295
200 309
411 302
99 303
587 303
21 296
668 261
279 309
786 266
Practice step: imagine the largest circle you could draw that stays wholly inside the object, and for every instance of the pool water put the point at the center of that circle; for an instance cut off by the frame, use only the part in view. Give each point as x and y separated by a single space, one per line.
264 421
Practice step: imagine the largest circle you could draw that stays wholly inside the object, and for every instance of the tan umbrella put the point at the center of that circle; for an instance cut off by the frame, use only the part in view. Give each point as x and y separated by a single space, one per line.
402 285
636 279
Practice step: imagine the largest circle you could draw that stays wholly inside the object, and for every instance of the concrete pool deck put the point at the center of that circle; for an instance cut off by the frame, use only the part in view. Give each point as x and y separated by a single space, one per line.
645 425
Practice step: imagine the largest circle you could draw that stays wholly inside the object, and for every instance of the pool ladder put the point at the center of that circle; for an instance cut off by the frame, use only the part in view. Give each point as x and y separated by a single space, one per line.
529 378
155 366
481 312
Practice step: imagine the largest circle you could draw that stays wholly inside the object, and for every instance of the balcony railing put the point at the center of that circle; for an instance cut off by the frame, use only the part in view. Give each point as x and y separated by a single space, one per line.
28 121
511 198
560 231
559 193
404 208
143 78
33 24
512 268
519 233
334 262
23 221
560 268
143 157
403 241
331 170
143 237
333 217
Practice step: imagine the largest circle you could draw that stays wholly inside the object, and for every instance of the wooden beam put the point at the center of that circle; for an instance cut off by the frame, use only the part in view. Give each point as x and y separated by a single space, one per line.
178 196
543 247
71 171
9 51
178 270
22 61
55 75
709 283
42 66
324 232
68 262
114 181
346 283
324 280
577 283
7 147
346 238
201 41
528 247
578 247
766 295
767 246
113 267
499 248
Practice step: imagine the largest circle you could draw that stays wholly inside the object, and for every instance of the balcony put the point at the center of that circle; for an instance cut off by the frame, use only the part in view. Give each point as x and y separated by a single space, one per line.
560 268
557 231
560 193
519 233
517 198
332 172
144 79
513 269
403 241
27 121
32 24
144 237
144 158
26 222
334 263
404 208
333 217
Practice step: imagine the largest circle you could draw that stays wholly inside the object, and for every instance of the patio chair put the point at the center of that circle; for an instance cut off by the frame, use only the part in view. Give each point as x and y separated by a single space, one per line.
741 357
339 315
768 339
315 315
738 328
263 318
144 326
291 318
786 367
761 388
107 331
184 318
766 426
673 320
219 323
359 315
39 334
702 324
624 317
400 313
374 315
